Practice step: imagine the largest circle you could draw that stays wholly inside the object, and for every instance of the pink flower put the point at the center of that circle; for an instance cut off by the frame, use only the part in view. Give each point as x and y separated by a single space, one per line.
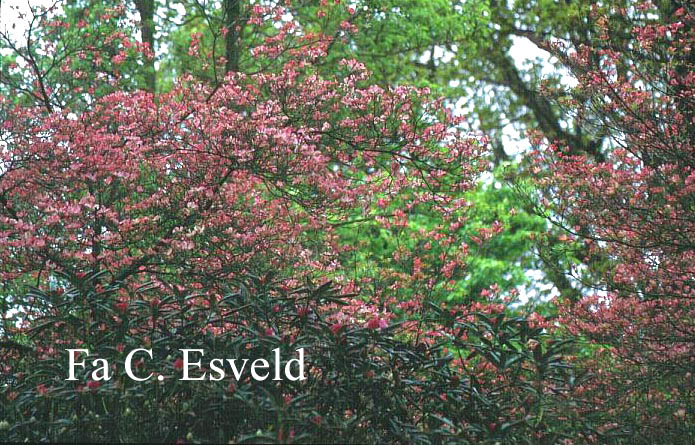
41 389
336 327
377 323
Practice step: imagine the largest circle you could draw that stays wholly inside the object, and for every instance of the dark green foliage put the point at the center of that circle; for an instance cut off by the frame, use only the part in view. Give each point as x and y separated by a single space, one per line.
363 385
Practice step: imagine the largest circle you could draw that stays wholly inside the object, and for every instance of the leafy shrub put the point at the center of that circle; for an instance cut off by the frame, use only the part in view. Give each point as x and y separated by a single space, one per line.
365 382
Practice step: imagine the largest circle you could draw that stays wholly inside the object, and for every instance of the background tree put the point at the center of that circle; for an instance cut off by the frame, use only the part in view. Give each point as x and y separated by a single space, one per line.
463 50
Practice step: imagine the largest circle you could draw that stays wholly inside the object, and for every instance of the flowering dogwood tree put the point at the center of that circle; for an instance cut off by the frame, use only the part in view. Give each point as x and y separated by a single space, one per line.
633 214
205 182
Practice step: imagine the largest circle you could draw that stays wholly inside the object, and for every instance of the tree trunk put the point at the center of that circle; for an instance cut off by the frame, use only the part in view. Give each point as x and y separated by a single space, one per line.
232 15
146 10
